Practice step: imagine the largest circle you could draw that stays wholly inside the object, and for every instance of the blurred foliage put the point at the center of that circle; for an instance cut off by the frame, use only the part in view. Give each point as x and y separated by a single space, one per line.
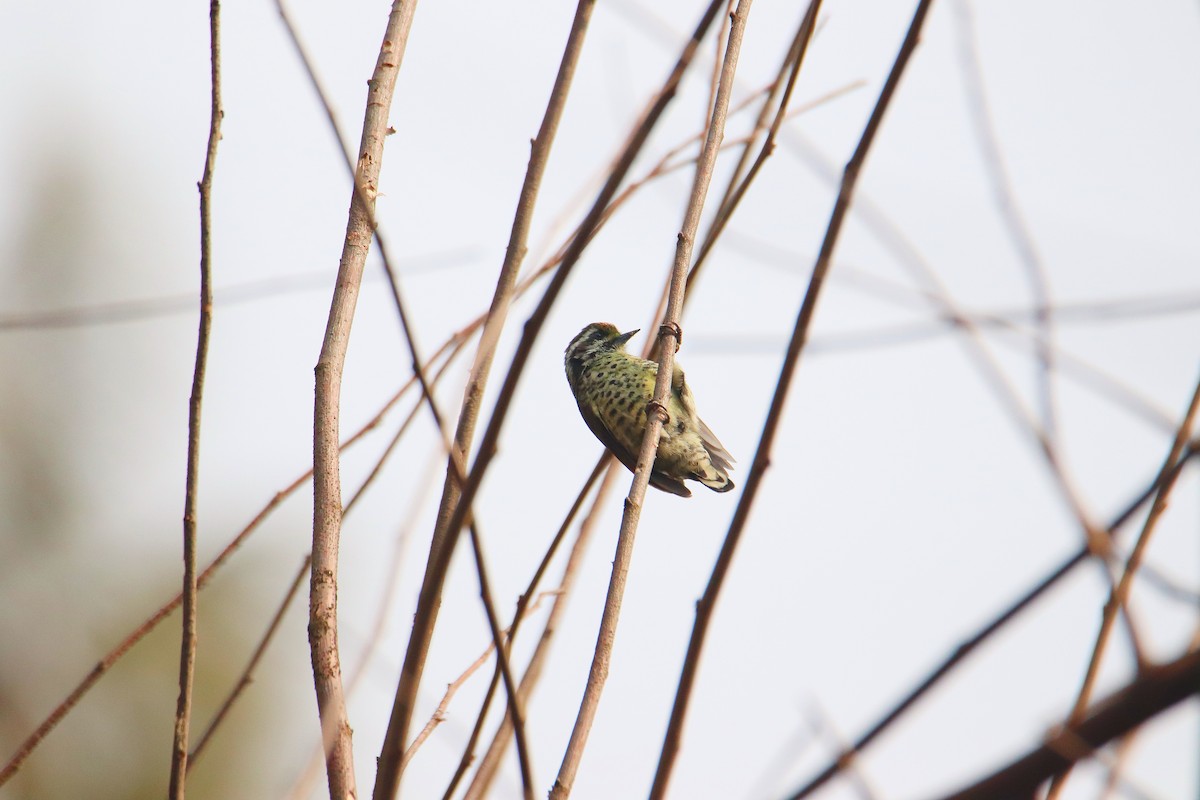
69 593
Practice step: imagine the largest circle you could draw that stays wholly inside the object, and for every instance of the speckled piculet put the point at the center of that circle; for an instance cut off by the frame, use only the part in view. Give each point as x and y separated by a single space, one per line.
613 389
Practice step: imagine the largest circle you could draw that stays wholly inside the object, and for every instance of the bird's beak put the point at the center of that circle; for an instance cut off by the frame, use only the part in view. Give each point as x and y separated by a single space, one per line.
625 337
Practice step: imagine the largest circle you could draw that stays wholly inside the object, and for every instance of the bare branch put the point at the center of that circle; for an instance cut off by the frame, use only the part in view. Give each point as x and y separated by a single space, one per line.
387 779
1120 593
187 647
391 760
704 608
969 646
1155 690
327 503
491 760
246 677
598 674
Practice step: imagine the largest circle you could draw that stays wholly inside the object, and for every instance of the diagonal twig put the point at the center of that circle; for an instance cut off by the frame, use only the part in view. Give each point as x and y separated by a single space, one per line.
1153 691
1119 595
969 646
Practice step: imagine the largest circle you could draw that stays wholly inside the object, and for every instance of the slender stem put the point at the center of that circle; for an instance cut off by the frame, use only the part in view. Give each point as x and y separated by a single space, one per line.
246 677
387 778
391 756
187 654
601 659
704 608
741 179
327 502
491 759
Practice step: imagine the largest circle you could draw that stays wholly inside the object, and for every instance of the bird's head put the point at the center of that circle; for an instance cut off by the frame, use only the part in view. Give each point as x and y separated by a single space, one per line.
594 340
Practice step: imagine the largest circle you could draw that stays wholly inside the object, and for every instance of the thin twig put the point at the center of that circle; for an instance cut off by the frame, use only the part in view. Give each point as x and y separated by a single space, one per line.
449 349
1120 593
1010 212
895 240
247 674
1152 692
655 413
455 468
515 713
484 776
738 185
290 595
327 503
439 713
187 654
966 648
707 602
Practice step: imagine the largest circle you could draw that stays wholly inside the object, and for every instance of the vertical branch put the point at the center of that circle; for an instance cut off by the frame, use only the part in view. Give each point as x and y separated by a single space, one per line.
390 759
327 502
738 185
598 674
486 773
704 608
187 654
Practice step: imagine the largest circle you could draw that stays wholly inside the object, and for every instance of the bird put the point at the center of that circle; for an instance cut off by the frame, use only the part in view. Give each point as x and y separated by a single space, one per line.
613 389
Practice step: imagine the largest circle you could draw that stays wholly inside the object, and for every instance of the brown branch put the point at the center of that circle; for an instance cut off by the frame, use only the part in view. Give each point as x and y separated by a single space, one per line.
480 784
966 648
738 185
1120 593
387 778
1154 690
598 674
327 503
364 199
290 595
707 603
439 713
515 713
391 761
187 647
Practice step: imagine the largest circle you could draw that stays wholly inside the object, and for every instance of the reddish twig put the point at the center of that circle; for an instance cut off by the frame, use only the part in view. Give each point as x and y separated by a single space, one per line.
491 760
247 674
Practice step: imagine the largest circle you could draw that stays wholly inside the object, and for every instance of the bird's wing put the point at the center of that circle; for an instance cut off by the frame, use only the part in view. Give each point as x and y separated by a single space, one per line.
717 453
623 454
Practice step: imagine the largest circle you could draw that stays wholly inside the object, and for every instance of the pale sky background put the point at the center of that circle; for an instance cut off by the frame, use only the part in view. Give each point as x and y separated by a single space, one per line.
904 506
